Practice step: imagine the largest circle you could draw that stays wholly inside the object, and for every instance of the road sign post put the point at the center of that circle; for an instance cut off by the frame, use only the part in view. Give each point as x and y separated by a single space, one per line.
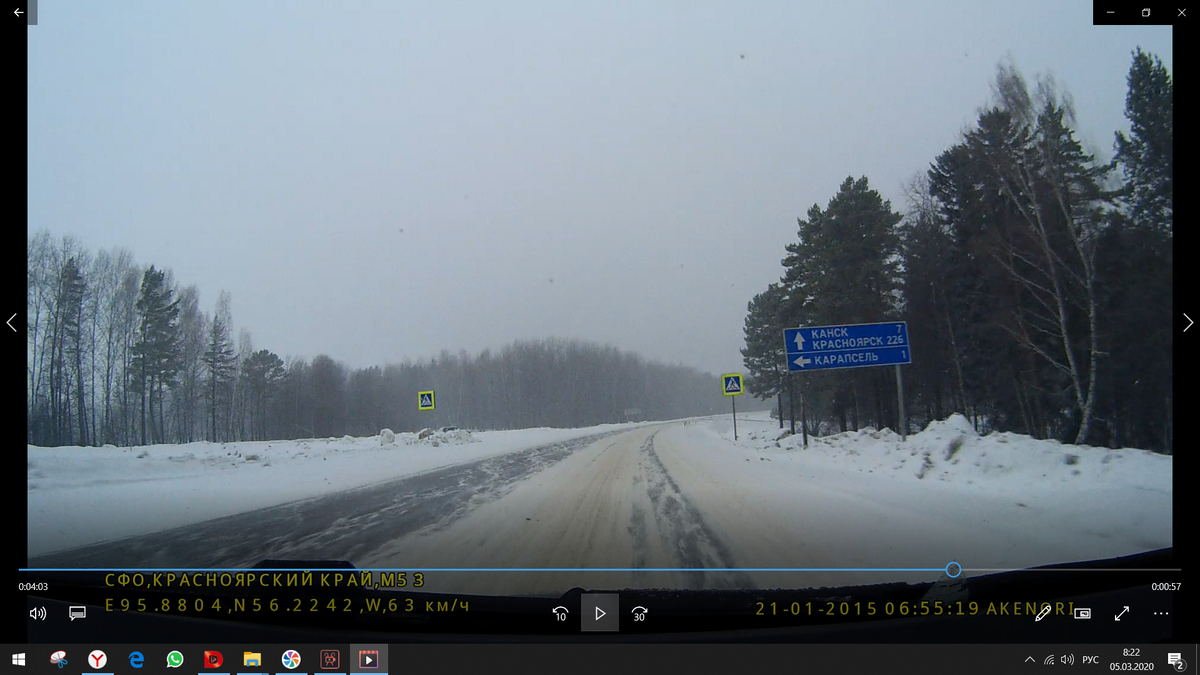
850 346
803 418
791 405
731 385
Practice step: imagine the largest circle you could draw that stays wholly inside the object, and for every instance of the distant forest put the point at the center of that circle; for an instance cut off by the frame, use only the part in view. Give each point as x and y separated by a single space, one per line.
120 354
1036 280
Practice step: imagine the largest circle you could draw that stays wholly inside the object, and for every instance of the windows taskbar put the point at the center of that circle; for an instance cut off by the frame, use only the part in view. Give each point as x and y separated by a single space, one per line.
377 659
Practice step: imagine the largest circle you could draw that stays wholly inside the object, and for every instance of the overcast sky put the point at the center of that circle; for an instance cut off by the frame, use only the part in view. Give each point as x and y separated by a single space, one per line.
382 180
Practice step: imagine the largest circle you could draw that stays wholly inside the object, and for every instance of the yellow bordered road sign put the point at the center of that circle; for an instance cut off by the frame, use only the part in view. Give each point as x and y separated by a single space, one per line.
424 400
732 384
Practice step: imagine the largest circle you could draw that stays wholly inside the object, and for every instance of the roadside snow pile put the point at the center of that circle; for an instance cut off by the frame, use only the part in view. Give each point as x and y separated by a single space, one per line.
771 435
950 451
387 437
437 438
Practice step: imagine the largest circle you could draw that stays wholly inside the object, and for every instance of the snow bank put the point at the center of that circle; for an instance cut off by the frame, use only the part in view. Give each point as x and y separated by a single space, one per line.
440 438
950 451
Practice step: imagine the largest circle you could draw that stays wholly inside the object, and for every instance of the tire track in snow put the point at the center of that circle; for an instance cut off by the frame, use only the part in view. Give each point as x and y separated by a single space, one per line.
683 528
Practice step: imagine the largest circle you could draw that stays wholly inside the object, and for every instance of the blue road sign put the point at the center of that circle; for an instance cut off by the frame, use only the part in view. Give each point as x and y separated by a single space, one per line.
852 346
732 384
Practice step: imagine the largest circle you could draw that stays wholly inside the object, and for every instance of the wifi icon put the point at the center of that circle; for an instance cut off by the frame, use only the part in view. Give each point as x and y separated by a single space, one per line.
1049 661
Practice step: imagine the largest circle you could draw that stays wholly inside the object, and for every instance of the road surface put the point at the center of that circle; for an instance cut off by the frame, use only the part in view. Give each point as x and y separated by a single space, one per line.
666 505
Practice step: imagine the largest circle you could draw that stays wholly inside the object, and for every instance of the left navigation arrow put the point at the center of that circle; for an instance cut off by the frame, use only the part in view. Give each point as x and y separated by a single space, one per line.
18 11
9 322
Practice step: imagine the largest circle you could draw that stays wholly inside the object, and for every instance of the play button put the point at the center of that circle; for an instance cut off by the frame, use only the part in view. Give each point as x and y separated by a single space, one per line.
605 610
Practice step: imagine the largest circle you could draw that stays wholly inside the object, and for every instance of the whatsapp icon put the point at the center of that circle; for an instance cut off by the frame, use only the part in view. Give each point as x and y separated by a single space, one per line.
174 659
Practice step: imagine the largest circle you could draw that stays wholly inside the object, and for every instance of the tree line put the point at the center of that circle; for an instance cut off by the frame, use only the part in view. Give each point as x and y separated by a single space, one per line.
122 354
1035 279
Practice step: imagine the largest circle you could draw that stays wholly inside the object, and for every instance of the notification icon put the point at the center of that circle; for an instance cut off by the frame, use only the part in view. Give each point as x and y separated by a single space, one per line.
212 659
329 659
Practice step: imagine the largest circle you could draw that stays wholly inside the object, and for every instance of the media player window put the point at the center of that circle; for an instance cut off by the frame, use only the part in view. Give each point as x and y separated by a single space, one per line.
364 329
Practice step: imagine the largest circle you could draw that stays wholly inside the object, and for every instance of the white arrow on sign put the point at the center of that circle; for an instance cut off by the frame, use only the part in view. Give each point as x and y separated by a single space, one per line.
799 341
599 613
801 361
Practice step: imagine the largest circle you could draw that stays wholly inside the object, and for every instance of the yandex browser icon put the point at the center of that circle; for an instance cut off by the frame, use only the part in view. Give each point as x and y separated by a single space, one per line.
212 659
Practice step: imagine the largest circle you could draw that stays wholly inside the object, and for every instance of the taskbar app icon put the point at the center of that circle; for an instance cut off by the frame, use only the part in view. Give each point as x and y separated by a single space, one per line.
213 659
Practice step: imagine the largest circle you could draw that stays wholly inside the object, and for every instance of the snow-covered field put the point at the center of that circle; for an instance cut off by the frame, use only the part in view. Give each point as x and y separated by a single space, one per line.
83 495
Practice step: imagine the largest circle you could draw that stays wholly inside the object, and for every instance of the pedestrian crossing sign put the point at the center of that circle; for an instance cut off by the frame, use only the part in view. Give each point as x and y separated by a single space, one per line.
733 384
424 400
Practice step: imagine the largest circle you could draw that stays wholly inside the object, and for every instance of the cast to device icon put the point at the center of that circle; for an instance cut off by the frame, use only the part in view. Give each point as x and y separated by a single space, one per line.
1083 612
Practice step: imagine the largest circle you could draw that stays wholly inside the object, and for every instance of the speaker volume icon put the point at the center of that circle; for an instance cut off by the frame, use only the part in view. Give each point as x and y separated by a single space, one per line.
38 613
1067 659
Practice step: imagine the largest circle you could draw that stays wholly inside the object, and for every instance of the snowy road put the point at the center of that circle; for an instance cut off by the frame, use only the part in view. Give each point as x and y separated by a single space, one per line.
670 505
672 496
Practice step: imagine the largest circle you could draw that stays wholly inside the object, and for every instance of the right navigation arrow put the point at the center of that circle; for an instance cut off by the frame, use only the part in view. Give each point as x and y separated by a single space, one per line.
1184 316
